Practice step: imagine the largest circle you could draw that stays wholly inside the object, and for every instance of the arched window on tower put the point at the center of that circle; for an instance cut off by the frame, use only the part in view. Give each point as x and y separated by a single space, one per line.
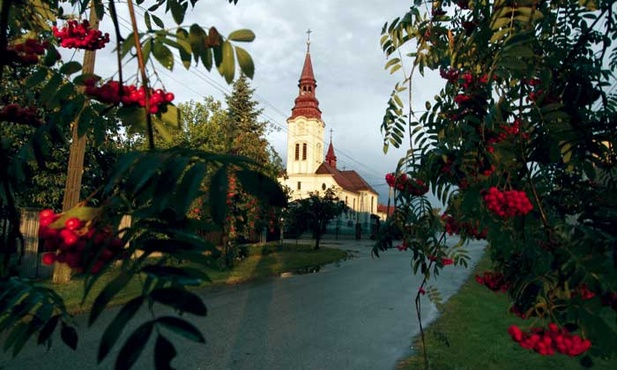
304 151
297 153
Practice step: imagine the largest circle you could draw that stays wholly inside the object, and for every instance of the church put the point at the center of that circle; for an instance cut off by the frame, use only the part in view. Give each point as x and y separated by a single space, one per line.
308 170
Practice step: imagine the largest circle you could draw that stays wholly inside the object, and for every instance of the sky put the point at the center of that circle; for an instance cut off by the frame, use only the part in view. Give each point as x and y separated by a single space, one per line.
352 85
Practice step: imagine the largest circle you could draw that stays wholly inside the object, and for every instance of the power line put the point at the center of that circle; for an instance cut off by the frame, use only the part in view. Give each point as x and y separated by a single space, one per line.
224 89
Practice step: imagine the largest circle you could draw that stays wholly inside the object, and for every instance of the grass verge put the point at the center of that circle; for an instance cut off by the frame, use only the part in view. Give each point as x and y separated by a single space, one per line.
263 261
471 334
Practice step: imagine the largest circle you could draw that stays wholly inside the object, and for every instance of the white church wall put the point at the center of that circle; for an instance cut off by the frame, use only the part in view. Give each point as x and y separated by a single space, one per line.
305 147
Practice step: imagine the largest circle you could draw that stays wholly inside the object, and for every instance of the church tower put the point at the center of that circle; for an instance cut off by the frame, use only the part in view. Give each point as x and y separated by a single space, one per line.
305 127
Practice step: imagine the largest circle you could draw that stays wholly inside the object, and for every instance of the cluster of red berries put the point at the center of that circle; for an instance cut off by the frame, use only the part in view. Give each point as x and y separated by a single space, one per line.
449 74
15 113
547 341
583 292
508 203
465 79
444 260
469 229
25 53
76 243
519 312
406 184
80 36
506 130
113 93
493 280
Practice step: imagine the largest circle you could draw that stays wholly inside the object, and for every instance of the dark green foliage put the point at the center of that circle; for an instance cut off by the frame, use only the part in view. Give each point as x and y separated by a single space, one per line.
314 212
526 105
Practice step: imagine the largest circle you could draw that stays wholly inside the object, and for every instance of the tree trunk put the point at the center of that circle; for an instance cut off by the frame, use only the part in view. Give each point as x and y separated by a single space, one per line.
72 188
317 237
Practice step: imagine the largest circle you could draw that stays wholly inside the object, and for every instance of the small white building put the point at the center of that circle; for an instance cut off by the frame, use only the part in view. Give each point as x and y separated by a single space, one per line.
307 168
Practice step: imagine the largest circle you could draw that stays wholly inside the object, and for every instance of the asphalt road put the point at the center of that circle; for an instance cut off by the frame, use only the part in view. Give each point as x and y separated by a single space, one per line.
357 314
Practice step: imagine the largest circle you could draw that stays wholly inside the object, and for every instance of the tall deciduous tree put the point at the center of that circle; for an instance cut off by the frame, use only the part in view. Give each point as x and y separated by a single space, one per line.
519 144
314 212
156 187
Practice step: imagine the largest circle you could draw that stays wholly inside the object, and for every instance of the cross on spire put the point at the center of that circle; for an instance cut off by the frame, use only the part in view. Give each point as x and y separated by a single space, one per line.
330 135
308 40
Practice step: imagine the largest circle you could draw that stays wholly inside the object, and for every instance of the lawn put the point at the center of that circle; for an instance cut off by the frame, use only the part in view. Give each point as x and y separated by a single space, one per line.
263 261
471 334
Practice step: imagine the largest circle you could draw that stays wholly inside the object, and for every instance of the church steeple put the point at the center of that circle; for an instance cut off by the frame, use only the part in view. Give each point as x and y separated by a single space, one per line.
306 104
330 156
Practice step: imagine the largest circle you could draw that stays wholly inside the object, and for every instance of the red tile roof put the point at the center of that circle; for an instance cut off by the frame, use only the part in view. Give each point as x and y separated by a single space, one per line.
382 208
349 180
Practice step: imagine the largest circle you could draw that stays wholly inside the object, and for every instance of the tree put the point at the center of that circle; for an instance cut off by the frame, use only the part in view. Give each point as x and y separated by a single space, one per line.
155 186
314 212
245 136
519 146
245 133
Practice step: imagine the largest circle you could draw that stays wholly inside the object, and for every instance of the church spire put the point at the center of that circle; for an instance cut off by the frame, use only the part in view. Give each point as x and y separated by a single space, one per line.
306 104
330 156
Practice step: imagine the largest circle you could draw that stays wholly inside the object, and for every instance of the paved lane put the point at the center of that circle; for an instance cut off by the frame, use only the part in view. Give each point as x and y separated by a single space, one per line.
358 314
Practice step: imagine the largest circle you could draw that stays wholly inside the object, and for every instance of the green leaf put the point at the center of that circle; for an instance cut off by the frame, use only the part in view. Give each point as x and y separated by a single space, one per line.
219 186
146 49
133 117
185 53
163 55
115 328
246 62
263 187
177 11
69 335
164 353
48 91
48 329
206 58
158 21
111 289
51 55
243 35
147 21
188 188
36 78
162 130
227 66
128 44
99 9
197 38
134 345
146 170
172 116
180 299
181 327
392 62
82 213
13 339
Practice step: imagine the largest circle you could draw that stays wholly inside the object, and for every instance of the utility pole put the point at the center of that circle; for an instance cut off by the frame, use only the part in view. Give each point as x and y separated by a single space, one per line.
72 188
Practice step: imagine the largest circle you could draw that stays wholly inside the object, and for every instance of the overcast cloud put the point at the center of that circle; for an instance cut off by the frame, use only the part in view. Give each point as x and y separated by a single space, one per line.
352 85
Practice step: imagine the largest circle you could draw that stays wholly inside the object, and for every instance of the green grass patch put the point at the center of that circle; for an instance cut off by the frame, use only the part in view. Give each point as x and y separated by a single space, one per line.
471 334
263 261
